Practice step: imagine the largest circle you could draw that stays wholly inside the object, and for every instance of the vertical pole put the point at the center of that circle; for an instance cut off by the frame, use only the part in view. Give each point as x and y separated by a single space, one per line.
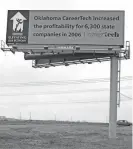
30 116
71 118
20 115
55 117
113 97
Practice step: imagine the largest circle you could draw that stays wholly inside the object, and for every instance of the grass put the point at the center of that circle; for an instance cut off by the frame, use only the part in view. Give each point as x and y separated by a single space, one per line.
28 135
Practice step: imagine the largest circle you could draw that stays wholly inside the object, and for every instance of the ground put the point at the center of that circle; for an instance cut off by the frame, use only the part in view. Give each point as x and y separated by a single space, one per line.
53 135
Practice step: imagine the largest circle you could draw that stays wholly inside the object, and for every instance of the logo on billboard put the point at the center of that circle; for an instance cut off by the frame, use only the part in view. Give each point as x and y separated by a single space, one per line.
17 27
18 23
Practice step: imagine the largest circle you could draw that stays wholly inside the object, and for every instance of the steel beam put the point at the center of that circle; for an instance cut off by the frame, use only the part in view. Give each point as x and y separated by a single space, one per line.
113 97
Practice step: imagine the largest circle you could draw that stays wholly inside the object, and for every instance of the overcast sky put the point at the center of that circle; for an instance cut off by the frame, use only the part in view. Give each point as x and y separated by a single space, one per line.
14 69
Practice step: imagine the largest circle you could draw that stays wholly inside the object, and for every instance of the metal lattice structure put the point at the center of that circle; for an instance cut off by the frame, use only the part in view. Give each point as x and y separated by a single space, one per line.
45 52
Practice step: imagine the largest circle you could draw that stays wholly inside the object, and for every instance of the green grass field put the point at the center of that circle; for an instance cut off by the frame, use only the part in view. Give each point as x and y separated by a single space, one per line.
62 136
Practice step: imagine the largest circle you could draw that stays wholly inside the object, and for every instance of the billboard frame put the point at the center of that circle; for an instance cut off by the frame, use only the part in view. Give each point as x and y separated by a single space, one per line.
111 22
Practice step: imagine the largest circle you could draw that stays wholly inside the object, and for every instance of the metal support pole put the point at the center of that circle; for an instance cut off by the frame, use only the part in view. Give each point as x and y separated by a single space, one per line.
113 97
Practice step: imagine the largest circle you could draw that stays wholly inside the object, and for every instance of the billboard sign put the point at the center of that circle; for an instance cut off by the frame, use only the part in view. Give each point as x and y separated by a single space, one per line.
65 27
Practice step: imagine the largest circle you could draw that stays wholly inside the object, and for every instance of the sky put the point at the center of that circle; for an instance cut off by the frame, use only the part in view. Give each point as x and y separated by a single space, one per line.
50 101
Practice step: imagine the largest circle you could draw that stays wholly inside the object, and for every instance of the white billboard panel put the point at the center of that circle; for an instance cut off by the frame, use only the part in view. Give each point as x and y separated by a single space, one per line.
75 27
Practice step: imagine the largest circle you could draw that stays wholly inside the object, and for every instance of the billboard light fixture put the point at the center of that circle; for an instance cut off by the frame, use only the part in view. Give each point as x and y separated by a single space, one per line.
66 64
31 51
77 48
45 47
98 60
14 47
73 52
53 52
46 66
82 61
110 49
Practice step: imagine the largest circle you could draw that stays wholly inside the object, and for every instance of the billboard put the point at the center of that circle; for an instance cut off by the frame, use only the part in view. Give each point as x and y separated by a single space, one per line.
65 27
